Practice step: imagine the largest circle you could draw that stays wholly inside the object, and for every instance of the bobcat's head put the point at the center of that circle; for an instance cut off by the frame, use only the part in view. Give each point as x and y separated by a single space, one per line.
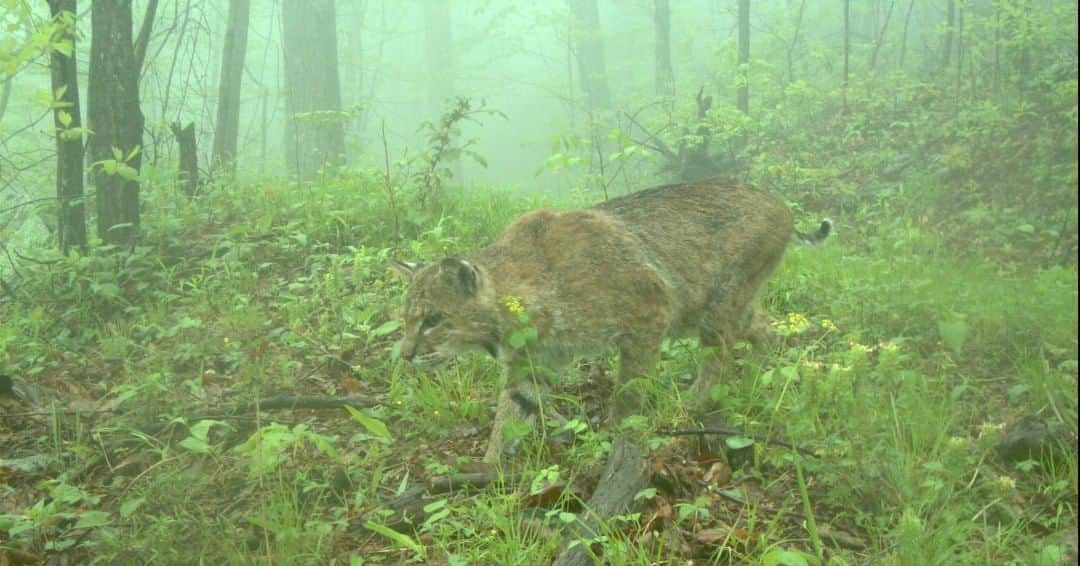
448 310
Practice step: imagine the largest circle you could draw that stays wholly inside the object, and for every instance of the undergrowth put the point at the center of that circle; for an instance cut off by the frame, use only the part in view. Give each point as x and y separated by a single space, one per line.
902 356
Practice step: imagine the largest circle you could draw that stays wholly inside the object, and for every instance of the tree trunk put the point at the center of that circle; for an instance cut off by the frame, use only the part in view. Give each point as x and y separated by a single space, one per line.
5 96
790 54
232 69
1023 62
189 158
743 94
439 47
589 49
438 44
311 85
847 47
881 37
665 76
353 69
903 38
143 41
959 49
947 41
71 213
116 119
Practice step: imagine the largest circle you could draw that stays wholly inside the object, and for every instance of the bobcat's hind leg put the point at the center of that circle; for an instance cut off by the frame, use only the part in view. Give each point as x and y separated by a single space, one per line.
716 338
637 359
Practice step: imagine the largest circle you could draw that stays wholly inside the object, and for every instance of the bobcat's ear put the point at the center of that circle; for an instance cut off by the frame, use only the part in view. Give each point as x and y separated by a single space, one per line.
406 268
465 274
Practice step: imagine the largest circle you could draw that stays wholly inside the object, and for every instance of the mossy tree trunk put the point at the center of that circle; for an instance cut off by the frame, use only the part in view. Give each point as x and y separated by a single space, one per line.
314 137
665 76
589 50
67 119
743 93
227 129
116 120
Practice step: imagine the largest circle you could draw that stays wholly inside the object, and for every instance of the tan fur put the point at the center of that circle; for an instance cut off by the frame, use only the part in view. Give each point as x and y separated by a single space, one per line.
673 261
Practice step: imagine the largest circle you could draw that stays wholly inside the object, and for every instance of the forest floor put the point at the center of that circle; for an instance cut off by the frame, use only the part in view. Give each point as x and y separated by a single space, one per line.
185 404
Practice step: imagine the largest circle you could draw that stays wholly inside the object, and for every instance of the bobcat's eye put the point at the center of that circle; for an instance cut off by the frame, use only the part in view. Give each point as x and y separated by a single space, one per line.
431 320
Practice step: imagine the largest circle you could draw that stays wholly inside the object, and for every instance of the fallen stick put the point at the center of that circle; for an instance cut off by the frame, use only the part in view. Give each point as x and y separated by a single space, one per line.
273 404
725 431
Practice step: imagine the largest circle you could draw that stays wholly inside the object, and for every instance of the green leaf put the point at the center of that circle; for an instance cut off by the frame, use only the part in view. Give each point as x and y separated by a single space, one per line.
434 506
647 493
400 538
91 519
385 328
129 506
738 442
196 445
953 334
127 172
784 557
373 425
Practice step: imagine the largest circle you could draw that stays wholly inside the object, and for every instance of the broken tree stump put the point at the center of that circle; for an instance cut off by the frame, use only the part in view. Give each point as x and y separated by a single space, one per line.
189 158
626 472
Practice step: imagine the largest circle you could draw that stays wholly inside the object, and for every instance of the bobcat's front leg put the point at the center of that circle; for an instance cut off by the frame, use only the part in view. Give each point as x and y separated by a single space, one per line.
519 402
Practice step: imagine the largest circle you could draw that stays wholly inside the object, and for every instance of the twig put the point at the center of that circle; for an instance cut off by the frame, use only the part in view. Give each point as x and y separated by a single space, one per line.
37 261
725 431
304 402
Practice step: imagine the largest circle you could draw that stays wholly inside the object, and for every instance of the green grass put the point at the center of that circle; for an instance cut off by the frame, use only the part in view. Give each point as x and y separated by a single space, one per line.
899 363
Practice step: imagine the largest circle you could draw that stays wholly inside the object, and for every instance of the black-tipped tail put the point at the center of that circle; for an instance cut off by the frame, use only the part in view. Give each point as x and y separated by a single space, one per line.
817 237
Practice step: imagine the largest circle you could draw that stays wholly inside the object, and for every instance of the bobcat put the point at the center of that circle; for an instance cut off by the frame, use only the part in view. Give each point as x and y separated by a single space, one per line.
671 261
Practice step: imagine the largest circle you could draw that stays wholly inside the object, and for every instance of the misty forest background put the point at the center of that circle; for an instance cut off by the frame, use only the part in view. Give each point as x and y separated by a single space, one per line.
198 199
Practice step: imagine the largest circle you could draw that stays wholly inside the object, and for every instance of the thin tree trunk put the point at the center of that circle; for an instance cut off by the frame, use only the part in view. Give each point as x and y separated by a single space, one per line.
439 47
947 41
959 48
589 48
903 39
881 36
438 43
116 119
997 45
232 69
353 71
143 41
311 85
743 93
1024 59
790 55
5 96
847 47
71 212
665 76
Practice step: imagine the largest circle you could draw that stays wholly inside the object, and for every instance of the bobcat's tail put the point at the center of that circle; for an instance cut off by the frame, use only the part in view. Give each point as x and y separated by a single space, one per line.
817 237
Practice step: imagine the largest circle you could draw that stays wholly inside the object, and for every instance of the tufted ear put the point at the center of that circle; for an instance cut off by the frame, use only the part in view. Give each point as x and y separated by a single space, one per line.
463 273
406 268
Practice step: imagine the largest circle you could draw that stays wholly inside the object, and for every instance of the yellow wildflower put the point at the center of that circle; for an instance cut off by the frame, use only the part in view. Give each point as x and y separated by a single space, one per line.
513 304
